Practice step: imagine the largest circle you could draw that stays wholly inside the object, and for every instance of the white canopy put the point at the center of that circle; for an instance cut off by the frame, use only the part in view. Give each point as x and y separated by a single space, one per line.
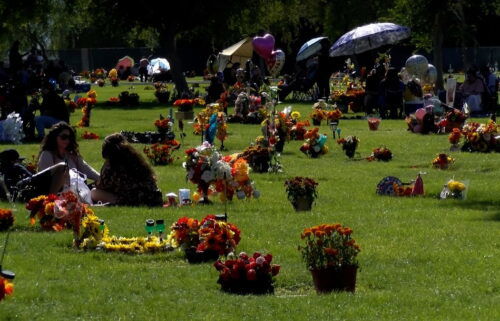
157 65
239 52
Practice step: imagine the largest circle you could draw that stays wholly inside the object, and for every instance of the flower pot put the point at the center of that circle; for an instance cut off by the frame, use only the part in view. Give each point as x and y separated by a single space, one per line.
302 204
335 279
194 257
373 123
260 286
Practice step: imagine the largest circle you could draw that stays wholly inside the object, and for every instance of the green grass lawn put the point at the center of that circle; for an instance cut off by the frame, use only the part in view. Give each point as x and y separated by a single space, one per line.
421 259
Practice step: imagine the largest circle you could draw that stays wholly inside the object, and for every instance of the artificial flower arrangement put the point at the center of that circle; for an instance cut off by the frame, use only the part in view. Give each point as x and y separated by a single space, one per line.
317 115
186 105
453 119
131 78
299 129
6 288
333 115
221 125
113 101
162 153
247 274
454 137
161 93
205 240
94 235
201 123
258 158
454 189
301 192
392 186
89 135
128 99
6 219
442 161
113 77
205 167
163 124
330 254
314 146
101 82
56 212
479 137
381 154
349 145
87 103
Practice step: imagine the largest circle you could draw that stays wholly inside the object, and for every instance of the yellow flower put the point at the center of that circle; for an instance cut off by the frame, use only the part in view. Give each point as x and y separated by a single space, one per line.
295 115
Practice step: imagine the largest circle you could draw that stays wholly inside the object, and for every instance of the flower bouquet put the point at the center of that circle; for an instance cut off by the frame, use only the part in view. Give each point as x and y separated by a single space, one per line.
131 78
314 145
442 161
161 153
247 275
349 145
57 212
128 99
161 93
454 189
89 135
333 115
186 105
257 157
100 82
6 288
299 130
6 219
481 137
381 154
454 138
330 254
301 192
317 116
453 119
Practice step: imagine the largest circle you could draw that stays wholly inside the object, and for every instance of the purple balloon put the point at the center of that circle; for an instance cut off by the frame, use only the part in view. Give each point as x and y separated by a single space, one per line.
264 46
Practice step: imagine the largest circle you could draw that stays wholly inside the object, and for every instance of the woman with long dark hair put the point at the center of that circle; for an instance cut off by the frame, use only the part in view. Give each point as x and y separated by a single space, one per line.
126 177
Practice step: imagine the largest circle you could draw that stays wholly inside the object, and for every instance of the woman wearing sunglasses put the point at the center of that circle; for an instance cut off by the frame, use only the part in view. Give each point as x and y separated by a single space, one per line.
58 153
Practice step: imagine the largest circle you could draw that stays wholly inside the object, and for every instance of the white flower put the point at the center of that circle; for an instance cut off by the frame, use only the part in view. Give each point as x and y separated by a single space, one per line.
260 260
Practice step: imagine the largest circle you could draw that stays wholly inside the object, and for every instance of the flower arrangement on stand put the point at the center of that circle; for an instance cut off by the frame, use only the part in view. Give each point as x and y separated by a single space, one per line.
89 135
333 115
318 112
56 212
186 105
247 275
349 145
381 154
87 103
301 192
6 219
454 189
330 255
314 146
442 161
161 153
6 288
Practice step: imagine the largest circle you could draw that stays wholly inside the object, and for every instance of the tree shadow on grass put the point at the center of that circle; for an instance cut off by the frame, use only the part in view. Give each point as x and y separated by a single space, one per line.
491 209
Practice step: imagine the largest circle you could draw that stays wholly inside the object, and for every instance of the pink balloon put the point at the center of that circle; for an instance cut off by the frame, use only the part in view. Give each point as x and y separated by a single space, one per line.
263 46
420 113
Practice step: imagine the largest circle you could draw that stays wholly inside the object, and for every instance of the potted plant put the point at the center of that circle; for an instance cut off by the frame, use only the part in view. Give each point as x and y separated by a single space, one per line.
330 255
301 192
247 275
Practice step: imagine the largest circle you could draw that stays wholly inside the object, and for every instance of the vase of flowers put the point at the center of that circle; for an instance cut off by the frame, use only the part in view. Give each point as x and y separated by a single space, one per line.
330 255
349 145
442 161
247 275
454 189
258 158
301 192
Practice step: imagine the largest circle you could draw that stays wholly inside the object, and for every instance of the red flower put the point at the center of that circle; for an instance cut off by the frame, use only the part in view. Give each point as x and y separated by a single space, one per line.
251 275
275 269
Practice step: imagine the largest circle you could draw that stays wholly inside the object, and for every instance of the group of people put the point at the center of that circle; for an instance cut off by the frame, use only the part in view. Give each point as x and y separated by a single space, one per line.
125 177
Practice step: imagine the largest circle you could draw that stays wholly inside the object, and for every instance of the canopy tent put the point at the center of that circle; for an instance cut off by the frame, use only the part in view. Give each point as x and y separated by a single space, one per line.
158 65
126 61
239 52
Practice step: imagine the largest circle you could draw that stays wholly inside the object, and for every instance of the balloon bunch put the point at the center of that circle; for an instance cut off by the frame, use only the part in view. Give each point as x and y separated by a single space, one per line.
264 47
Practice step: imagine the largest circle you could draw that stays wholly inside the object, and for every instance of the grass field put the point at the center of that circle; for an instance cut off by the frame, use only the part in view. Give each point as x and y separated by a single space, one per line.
421 259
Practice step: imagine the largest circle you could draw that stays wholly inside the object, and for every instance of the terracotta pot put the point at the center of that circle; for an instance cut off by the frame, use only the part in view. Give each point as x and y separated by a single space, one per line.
335 279
302 204
373 124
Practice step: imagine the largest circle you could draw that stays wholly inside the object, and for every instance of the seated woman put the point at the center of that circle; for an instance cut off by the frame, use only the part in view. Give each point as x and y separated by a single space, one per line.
472 89
126 177
58 153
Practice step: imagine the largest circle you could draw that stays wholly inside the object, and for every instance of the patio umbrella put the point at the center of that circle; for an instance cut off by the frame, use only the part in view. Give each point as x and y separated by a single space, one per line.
157 65
311 48
368 37
125 62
